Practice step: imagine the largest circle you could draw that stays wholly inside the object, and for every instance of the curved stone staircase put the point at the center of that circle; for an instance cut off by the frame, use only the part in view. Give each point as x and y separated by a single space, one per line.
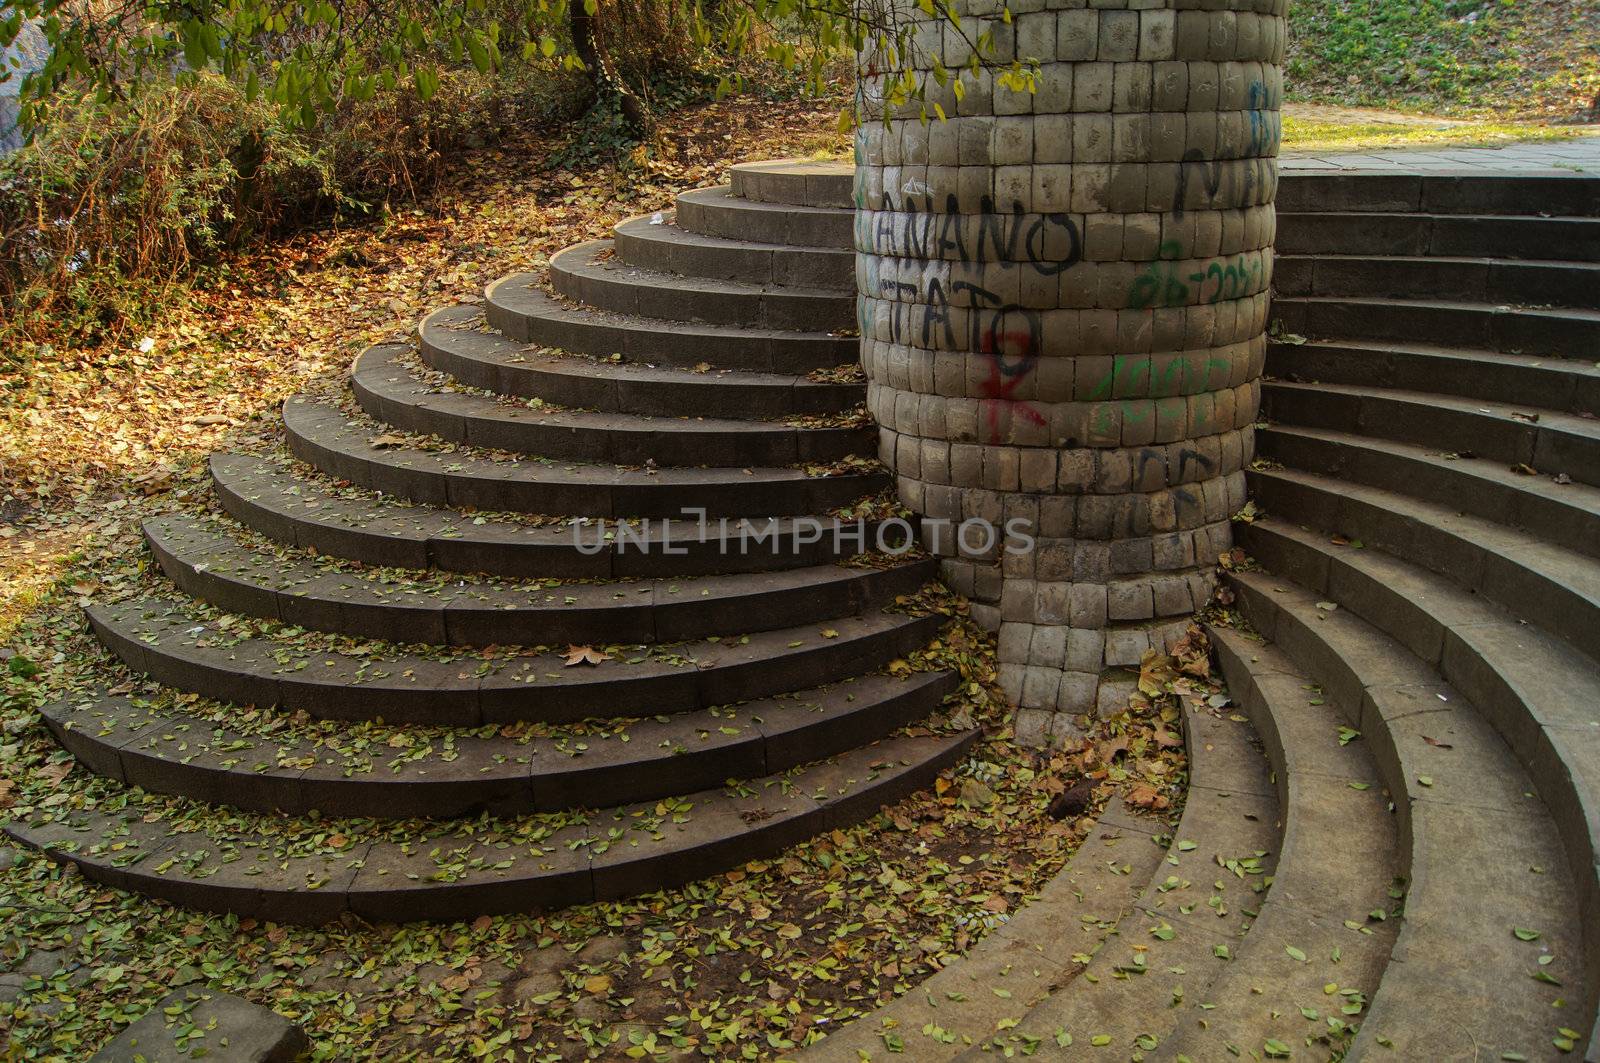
695 370
1389 849
1430 483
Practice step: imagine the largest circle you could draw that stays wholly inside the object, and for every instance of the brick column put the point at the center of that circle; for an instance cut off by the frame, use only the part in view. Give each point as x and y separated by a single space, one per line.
1063 303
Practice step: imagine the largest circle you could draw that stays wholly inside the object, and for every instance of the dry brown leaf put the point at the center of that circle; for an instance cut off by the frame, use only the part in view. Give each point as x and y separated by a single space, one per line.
577 655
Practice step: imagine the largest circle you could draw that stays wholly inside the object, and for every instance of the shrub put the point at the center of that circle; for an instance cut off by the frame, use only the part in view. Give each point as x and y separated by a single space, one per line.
115 201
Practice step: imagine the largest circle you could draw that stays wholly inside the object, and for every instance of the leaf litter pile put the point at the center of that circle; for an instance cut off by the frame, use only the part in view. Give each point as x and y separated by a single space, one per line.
748 964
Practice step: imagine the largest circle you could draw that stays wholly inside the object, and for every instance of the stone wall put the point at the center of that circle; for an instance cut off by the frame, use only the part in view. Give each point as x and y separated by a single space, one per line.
1063 304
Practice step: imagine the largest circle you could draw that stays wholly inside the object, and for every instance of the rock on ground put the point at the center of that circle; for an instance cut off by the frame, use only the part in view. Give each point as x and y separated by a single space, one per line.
225 1026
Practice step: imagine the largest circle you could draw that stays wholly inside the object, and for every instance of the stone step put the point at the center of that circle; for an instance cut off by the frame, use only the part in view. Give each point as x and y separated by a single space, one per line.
457 340
1567 515
1337 866
1573 195
207 560
322 434
1481 280
458 872
292 503
1027 957
655 242
1191 916
520 308
1567 385
167 750
1571 333
197 651
1547 440
390 386
1541 696
591 273
718 212
1450 235
805 182
1482 853
1557 589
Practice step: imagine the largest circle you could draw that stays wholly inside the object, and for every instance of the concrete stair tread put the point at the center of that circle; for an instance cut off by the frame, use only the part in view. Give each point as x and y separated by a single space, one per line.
519 307
592 257
1474 274
446 775
1473 192
1193 912
1459 983
1566 312
1541 695
1550 441
1027 957
718 212
459 871
1563 384
1549 585
324 435
298 506
1421 261
1559 332
725 196
206 560
391 390
818 182
666 246
218 656
457 340
1382 234
593 274
1581 219
1337 867
1566 514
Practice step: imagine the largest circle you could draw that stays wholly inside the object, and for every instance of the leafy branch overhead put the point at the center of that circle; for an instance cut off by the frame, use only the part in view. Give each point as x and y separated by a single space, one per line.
307 56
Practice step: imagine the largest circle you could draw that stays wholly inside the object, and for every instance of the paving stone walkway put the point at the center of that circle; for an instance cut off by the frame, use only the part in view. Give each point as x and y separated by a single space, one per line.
1533 157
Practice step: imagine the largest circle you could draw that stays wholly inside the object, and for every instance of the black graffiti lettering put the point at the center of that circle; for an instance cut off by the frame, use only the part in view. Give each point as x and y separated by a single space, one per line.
1211 173
1035 244
916 235
1188 454
937 313
885 234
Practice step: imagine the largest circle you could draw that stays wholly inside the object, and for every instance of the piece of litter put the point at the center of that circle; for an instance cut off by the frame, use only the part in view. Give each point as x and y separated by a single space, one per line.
658 218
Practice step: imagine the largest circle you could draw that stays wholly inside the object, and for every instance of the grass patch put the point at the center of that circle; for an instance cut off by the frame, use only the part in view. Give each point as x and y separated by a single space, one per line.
1506 58
1317 133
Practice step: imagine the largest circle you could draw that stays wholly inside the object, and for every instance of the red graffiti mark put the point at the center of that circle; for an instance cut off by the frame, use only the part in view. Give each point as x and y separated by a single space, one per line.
1011 358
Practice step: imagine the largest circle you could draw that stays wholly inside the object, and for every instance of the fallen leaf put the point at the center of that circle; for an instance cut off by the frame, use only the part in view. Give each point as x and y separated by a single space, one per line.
576 655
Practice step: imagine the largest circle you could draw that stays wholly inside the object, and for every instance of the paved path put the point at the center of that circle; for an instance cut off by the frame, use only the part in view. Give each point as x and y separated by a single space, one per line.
1558 156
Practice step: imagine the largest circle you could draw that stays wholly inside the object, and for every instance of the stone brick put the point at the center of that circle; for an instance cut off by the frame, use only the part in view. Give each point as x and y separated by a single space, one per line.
1014 642
1049 646
1087 603
1051 603
1039 685
1172 597
1125 647
1032 726
1076 696
1086 650
1128 601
